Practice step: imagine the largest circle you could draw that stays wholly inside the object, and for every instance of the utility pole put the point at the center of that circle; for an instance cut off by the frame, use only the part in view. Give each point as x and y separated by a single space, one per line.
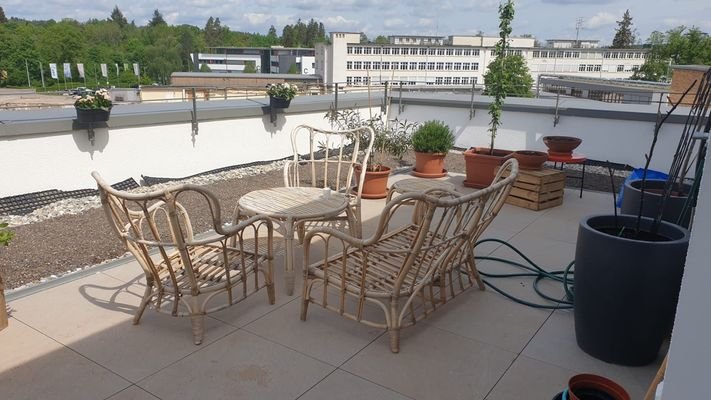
578 25
41 74
27 69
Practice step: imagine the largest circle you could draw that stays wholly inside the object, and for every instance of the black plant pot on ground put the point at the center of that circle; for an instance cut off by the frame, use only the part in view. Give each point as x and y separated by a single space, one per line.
673 207
626 289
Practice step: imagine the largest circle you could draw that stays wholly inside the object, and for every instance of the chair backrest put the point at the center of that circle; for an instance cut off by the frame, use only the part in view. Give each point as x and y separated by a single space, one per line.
326 159
157 221
445 233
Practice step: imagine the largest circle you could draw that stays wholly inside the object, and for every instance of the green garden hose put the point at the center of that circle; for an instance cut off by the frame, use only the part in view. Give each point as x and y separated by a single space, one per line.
534 271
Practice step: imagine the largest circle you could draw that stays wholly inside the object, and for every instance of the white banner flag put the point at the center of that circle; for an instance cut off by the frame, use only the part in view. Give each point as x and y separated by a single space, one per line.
80 68
53 70
104 71
125 66
67 70
117 70
135 69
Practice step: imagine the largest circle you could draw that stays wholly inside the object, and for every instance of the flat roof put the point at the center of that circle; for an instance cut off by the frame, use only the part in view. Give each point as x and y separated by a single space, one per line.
702 68
243 75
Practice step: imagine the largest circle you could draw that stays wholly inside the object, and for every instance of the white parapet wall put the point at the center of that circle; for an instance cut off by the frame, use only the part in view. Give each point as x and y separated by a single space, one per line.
46 149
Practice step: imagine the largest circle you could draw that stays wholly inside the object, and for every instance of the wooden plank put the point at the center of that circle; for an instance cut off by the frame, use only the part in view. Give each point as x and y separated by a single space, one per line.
535 196
542 176
548 187
531 205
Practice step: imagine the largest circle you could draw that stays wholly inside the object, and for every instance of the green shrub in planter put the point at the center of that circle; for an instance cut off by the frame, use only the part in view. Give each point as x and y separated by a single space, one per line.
433 137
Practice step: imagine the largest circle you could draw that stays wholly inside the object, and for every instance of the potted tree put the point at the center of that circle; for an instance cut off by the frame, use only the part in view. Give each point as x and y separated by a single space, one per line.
431 142
391 138
481 162
280 94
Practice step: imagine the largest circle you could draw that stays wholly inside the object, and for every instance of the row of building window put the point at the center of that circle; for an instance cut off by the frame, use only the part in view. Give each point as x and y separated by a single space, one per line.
576 54
440 80
598 67
431 66
623 54
423 51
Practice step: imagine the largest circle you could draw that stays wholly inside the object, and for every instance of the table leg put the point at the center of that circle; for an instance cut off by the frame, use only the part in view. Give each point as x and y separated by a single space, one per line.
289 265
582 180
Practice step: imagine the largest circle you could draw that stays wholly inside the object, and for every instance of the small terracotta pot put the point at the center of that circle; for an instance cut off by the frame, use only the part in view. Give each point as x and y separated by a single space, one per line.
530 160
589 386
561 144
375 184
481 165
429 165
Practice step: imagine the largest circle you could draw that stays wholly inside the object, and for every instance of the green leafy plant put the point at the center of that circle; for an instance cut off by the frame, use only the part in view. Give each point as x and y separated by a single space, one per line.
433 137
391 137
5 234
284 91
101 99
496 79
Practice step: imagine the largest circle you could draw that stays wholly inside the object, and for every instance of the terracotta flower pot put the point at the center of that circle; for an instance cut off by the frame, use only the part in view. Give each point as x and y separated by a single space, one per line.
530 160
561 144
375 184
589 386
429 165
481 165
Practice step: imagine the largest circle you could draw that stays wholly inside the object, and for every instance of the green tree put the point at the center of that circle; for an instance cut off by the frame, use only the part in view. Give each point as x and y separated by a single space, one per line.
205 68
3 18
272 37
364 38
215 33
680 46
381 40
517 80
250 67
157 19
117 17
624 37
293 69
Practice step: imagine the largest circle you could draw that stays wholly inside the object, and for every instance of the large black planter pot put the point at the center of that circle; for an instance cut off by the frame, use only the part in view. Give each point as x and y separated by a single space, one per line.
672 208
626 290
91 115
277 102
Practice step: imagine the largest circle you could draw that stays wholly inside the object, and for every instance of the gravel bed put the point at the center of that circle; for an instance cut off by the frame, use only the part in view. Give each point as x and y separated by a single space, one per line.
73 234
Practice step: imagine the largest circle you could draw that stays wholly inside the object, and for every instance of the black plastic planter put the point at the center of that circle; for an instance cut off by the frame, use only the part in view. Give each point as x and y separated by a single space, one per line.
626 290
652 198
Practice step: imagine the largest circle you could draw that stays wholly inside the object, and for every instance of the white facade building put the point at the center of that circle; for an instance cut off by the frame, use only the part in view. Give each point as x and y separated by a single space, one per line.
458 60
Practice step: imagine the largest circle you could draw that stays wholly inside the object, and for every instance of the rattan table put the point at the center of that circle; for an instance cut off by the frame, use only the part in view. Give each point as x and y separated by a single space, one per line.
288 205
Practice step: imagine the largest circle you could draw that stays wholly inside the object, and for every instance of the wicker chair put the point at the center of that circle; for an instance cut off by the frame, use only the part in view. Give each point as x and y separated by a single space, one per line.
327 159
408 271
184 273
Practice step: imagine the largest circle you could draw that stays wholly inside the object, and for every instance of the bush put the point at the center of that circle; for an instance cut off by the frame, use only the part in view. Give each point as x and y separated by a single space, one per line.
433 137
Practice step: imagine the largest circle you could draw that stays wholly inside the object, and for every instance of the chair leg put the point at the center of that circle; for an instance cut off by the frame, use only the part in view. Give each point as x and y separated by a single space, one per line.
394 328
394 339
305 299
471 265
270 293
198 324
144 303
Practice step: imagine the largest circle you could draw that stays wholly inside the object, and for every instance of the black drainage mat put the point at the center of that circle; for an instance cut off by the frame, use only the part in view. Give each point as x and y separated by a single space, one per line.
26 203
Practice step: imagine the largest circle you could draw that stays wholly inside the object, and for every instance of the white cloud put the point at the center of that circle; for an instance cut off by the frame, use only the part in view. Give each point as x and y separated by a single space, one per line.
340 23
257 18
391 23
425 22
598 20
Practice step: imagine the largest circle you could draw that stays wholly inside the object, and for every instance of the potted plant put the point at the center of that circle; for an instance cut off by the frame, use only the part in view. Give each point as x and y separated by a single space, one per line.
431 141
391 138
481 162
93 106
5 236
280 94
628 268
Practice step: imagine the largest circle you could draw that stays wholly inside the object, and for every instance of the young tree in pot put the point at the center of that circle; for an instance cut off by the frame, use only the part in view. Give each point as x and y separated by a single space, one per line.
431 142
481 162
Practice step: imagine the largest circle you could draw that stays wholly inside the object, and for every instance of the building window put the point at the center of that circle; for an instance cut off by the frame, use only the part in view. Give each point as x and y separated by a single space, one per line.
457 66
440 66
455 80
376 64
440 52
349 80
475 80
544 54
465 80
423 51
349 64
431 51
493 53
475 52
422 66
589 68
457 52
475 66
576 54
559 54
349 50
620 68
597 68
366 80
607 55
386 64
358 50
438 80
367 50
377 50
450 52
638 55
635 68
430 66
448 66
357 80
536 54
395 65
396 51
466 66
581 67
366 64
616 55
468 52
405 51
403 65
447 80
568 54
413 66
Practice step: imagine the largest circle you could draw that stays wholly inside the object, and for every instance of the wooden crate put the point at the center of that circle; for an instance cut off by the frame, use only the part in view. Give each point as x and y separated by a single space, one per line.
538 190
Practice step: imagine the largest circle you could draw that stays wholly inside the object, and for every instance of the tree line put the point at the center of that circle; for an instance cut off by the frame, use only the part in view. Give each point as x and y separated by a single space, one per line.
27 47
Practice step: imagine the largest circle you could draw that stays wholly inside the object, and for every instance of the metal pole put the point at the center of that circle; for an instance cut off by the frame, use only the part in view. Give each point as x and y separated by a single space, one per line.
41 74
336 99
471 103
399 105
385 98
27 69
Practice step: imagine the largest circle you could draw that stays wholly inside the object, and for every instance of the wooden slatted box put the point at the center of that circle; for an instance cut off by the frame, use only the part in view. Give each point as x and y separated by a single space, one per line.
538 190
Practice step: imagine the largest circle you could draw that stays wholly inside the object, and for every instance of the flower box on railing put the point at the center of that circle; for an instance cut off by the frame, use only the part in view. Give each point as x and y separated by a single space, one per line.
91 115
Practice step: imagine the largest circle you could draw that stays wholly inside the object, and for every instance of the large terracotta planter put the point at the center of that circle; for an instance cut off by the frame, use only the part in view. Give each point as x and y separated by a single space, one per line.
589 386
375 184
481 165
561 144
429 165
530 160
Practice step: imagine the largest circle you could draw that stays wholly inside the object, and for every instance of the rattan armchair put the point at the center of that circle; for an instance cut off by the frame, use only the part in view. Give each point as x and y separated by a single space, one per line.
327 159
406 271
185 274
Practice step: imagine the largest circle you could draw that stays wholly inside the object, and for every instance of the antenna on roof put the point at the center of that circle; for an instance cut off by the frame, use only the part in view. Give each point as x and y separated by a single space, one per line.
578 25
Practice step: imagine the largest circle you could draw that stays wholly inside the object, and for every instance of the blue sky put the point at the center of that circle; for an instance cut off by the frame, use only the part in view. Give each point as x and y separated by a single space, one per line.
545 19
